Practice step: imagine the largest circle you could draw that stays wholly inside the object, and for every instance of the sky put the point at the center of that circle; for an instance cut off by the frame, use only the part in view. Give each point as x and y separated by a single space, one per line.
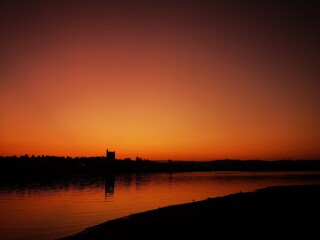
180 80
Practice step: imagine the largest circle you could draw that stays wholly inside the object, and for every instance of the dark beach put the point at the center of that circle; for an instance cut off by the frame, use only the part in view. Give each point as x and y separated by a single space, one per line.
268 213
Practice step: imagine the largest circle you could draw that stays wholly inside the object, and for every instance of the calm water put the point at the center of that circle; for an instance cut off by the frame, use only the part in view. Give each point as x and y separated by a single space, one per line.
58 208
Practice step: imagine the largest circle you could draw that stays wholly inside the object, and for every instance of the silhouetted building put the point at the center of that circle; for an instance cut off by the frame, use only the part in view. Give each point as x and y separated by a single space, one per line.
111 156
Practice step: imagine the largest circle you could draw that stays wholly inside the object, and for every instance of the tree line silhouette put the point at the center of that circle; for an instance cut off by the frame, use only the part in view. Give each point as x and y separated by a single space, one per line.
15 167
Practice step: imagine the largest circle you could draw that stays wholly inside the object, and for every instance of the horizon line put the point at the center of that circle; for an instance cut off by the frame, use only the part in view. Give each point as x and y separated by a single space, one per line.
169 159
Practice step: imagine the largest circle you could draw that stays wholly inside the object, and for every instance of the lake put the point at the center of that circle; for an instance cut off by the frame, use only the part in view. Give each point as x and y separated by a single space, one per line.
51 209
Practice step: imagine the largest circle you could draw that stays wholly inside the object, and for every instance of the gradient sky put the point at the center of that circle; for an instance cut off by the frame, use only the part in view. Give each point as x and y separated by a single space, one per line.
190 80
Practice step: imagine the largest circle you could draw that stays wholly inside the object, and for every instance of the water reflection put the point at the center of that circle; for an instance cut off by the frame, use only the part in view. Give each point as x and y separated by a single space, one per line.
51 208
142 180
109 187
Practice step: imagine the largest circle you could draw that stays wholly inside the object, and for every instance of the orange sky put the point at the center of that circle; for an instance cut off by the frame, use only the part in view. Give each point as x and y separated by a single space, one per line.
170 80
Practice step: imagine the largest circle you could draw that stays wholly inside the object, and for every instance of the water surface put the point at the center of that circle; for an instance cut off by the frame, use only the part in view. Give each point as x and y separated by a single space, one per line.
51 209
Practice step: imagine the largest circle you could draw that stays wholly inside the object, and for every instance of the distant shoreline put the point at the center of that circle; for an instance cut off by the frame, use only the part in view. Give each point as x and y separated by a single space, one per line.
26 166
281 211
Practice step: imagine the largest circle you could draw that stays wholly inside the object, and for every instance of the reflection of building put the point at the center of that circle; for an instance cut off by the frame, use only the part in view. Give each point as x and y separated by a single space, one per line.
111 156
109 186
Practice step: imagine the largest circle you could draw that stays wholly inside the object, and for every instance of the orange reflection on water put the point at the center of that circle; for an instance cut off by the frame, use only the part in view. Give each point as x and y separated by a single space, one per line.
56 209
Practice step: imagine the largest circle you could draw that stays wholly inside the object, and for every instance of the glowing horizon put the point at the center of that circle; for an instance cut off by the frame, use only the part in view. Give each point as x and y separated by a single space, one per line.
159 81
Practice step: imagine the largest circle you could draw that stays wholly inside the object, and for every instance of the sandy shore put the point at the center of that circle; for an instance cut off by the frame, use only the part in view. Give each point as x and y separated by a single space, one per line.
269 213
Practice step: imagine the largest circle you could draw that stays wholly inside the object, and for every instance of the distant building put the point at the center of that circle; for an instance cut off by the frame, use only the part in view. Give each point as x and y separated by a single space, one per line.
111 156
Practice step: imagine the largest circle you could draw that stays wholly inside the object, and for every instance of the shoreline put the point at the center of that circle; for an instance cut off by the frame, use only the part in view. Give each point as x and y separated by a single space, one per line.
281 211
